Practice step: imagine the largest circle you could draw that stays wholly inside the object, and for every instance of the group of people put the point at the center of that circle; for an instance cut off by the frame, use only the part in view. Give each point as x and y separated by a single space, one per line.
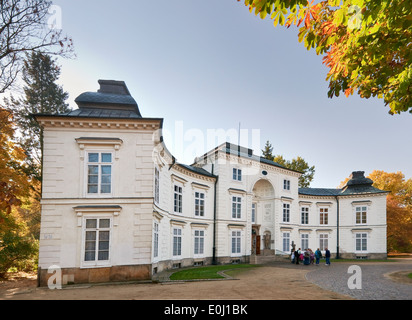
307 256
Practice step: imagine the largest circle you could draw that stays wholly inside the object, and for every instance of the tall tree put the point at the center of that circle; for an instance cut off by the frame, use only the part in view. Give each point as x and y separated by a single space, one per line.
366 43
298 164
398 208
395 182
19 227
25 27
14 183
267 152
41 95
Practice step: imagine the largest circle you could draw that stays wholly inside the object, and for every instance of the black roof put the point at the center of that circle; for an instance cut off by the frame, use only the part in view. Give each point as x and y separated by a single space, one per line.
111 101
230 148
105 98
357 184
319 191
103 113
196 170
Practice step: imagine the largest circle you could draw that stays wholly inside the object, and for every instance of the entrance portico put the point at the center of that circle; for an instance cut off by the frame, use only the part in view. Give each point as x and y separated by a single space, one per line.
263 218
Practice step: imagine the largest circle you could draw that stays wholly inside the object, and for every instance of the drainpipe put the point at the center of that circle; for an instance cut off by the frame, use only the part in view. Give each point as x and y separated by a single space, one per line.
337 227
173 162
214 262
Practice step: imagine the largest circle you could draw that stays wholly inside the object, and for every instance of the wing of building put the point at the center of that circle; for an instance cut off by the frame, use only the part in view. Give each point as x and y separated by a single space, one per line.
116 205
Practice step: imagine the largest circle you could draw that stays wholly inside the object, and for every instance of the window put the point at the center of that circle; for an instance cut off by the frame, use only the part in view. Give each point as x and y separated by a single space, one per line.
177 199
253 212
156 186
99 173
304 241
155 240
97 240
286 212
286 184
236 241
361 215
323 241
199 204
323 215
199 242
304 215
361 242
236 207
237 174
286 241
177 241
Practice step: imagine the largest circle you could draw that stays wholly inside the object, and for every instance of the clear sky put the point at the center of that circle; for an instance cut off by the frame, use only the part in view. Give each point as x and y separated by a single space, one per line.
209 65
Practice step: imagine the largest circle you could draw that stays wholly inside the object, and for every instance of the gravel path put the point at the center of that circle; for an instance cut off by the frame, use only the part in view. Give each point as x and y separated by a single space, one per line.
376 284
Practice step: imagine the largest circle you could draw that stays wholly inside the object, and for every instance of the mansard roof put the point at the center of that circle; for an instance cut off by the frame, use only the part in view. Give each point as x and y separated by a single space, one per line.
242 152
357 184
106 113
200 171
111 101
319 191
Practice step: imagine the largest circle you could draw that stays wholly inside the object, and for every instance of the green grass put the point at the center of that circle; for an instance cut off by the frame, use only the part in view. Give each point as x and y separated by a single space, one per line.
410 276
209 272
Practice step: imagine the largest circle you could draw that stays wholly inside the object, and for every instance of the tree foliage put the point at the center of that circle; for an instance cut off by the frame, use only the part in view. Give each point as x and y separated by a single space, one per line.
17 242
399 208
17 247
297 164
366 44
25 28
41 95
14 184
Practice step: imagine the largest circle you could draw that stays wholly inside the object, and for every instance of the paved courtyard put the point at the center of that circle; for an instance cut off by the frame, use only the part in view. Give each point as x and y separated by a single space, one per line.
379 281
277 281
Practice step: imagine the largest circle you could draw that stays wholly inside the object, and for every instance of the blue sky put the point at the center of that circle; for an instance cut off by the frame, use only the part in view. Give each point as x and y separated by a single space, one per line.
208 65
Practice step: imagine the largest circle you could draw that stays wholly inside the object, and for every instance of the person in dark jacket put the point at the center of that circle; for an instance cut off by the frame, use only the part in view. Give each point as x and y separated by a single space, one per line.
327 256
318 255
297 254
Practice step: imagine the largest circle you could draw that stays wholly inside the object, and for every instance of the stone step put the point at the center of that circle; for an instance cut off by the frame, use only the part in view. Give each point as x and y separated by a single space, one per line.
260 259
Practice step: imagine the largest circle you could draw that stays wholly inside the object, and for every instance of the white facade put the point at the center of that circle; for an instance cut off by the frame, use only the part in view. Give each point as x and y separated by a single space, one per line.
117 206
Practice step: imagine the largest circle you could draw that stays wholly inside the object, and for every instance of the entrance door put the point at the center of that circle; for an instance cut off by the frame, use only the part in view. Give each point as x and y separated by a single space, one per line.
257 245
255 240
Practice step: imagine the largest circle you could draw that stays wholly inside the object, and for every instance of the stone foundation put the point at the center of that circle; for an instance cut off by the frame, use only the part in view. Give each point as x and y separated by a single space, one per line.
361 255
96 275
179 263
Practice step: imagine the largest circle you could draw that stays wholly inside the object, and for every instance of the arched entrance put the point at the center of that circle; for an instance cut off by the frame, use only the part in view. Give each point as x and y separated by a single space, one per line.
263 218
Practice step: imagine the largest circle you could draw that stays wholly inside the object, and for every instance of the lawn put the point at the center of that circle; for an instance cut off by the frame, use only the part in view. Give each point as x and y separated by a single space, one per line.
209 272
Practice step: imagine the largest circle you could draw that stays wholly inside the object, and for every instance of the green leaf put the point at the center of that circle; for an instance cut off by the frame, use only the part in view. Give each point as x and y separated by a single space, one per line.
263 14
276 21
301 34
374 29
355 73
281 19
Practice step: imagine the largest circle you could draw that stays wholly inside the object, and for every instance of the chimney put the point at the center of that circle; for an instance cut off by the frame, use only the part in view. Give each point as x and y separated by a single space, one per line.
113 87
357 175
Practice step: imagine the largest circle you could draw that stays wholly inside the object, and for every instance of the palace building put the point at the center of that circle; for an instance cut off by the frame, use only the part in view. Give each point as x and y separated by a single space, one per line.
117 205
